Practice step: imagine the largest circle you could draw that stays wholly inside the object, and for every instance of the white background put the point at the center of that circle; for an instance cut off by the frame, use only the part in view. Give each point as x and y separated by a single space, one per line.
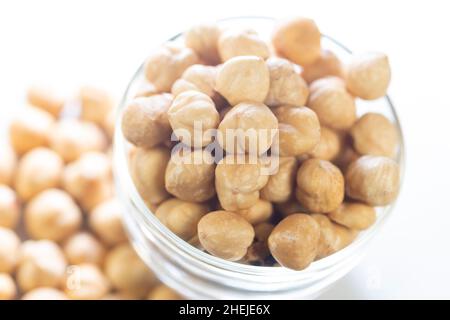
67 43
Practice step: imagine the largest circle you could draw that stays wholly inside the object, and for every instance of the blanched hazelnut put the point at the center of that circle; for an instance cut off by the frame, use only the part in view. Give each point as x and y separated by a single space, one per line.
8 289
297 39
261 211
280 186
328 64
42 264
289 207
203 78
9 248
181 217
146 89
374 134
9 208
145 122
374 180
190 115
202 38
167 64
109 124
241 42
95 104
238 182
127 272
182 85
30 129
243 78
225 234
248 128
52 215
320 186
83 247
334 106
294 241
190 175
286 86
45 294
368 75
329 145
329 240
71 138
85 282
299 130
354 215
106 221
148 167
8 164
38 170
45 99
163 292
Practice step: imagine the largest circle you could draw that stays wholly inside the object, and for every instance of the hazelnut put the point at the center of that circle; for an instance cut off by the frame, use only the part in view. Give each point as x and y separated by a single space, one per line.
163 292
148 167
289 207
181 217
85 282
203 38
9 208
95 104
354 215
45 99
368 75
261 211
106 221
328 241
248 127
299 130
346 156
297 39
8 164
45 294
182 85
9 248
146 89
329 145
241 42
203 78
294 241
225 234
334 106
320 186
344 235
167 64
374 134
286 86
328 64
52 215
145 122
243 78
374 180
280 186
83 247
8 289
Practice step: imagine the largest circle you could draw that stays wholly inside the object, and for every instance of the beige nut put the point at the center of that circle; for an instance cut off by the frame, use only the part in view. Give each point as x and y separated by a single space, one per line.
280 186
9 208
45 294
83 247
243 79
235 42
345 236
167 64
9 250
203 38
353 215
225 234
299 130
163 292
190 175
8 165
85 282
45 99
334 106
294 241
8 289
368 75
297 39
95 104
346 156
145 122
328 64
248 128
145 89
182 85
192 115
320 186
106 221
374 180
259 251
261 211
374 134
329 240
181 217
329 145
202 77
148 167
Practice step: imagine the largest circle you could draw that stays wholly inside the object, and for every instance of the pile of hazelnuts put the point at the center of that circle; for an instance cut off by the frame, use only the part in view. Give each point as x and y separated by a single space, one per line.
334 167
61 233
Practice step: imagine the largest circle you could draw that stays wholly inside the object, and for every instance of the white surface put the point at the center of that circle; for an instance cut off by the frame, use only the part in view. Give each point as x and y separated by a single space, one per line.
64 44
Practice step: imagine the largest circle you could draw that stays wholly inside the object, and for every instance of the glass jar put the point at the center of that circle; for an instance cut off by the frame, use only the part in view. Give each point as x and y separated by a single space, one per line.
199 275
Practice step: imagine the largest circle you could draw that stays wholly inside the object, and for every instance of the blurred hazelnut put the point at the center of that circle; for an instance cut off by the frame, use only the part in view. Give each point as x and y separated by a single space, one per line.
146 89
45 99
9 208
83 247
353 215
9 249
328 64
8 164
280 186
8 289
95 104
202 38
85 282
106 221
241 42
45 294
163 292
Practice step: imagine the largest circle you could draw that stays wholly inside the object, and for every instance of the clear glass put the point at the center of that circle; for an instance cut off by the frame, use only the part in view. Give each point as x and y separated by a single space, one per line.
198 275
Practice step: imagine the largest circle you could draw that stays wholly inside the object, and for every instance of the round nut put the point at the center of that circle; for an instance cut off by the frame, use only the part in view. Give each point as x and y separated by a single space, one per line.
248 128
374 180
329 145
9 208
261 211
202 77
374 134
96 104
294 241
297 39
280 186
83 247
106 221
45 294
243 78
328 64
357 216
202 38
147 168
299 130
320 186
192 115
334 106
8 289
45 99
163 292
85 282
9 248
345 236
182 85
146 89
368 75
167 64
8 164
127 272
286 86
225 234
346 156
52 215
241 42
181 217
145 122
328 241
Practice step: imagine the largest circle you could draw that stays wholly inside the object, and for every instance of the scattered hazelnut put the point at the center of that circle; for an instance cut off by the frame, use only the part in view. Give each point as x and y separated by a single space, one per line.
9 207
354 215
8 164
45 294
106 221
163 292
280 186
83 247
241 42
8 289
95 104
85 282
9 248
45 99
203 38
